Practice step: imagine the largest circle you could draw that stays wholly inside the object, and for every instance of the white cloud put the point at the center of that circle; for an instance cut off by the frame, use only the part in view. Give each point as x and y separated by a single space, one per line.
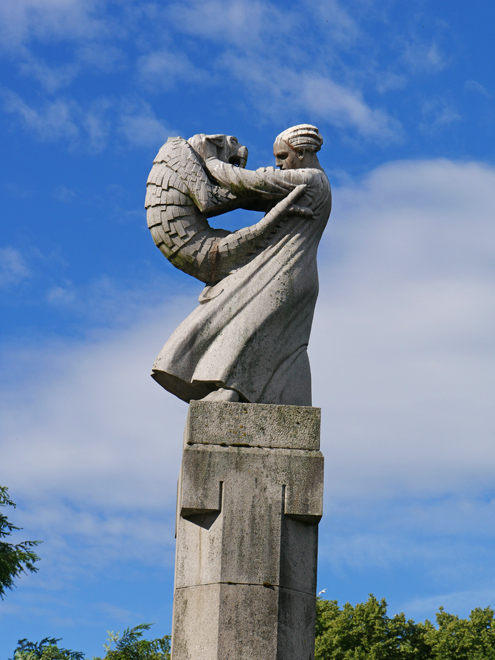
46 20
96 121
478 88
104 119
237 22
285 75
51 78
61 295
64 194
437 114
388 80
280 91
54 121
403 341
421 56
63 119
253 40
140 126
345 107
100 56
162 69
13 267
254 25
341 27
100 430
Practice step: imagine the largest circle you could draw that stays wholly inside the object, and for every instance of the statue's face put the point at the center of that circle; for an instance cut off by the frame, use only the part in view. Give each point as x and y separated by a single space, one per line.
286 158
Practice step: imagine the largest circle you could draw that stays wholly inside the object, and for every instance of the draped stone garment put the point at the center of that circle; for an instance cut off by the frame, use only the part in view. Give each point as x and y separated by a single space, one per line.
252 329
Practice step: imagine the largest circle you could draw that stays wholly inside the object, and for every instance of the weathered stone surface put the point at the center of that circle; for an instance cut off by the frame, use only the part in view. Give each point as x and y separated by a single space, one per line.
243 622
264 425
247 533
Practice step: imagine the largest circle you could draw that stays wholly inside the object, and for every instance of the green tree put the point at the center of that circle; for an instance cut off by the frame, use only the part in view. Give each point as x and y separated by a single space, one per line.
360 632
365 631
47 649
14 558
131 646
463 639
128 646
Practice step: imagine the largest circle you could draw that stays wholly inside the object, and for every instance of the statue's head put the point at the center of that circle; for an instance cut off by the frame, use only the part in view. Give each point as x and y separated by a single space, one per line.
223 147
297 147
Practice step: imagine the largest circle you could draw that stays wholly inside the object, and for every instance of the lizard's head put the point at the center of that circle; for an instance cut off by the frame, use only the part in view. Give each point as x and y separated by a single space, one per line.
223 147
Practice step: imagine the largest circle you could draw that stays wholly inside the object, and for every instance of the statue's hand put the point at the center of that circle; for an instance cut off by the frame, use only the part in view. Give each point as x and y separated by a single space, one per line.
301 211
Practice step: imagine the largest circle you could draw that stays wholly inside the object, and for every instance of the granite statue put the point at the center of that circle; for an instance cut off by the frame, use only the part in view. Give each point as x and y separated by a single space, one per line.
247 340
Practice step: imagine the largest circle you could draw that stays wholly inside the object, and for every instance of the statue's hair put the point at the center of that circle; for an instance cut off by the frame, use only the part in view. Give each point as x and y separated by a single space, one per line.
302 137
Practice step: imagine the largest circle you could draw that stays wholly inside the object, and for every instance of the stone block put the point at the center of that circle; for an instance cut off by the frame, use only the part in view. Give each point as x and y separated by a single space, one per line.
243 622
247 533
260 425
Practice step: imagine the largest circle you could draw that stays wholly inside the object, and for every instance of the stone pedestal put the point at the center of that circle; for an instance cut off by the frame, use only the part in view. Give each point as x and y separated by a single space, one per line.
249 502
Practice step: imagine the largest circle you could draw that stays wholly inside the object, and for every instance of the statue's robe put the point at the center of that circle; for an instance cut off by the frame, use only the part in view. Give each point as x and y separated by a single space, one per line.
252 329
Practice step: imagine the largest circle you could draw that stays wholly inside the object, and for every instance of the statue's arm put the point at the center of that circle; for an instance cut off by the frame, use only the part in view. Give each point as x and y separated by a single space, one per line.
255 185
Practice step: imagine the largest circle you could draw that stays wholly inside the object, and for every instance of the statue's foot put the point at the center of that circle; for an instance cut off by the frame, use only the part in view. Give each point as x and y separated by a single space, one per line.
222 394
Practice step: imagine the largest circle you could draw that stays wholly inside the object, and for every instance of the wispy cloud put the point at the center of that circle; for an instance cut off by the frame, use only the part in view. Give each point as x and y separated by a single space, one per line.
478 88
277 90
92 57
437 114
25 20
61 295
255 47
237 22
388 80
342 28
141 127
64 194
94 126
13 267
421 56
282 81
52 78
55 120
163 69
346 107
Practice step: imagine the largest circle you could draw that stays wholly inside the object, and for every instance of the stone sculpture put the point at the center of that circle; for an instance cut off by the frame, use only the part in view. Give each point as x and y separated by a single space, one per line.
247 340
250 492
180 198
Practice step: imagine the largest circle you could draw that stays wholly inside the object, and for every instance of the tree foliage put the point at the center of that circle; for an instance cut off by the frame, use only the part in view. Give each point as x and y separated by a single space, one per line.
128 646
365 631
131 646
15 559
47 649
351 632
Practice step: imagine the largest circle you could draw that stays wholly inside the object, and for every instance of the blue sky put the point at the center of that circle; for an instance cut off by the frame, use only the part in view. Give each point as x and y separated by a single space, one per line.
403 340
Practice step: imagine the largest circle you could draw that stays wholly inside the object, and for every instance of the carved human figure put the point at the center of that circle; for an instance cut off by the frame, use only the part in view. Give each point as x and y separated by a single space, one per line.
248 338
